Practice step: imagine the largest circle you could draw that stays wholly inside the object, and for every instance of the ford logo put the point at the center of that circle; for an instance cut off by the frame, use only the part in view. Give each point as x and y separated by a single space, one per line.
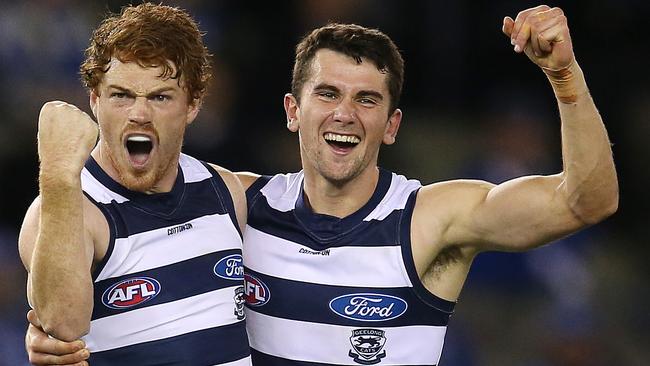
368 307
230 267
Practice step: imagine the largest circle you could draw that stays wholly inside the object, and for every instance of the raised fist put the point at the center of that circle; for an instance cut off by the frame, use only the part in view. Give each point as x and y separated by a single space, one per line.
66 136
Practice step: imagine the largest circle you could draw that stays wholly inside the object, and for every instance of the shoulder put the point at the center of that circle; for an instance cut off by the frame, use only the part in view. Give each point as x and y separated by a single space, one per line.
441 204
236 192
247 178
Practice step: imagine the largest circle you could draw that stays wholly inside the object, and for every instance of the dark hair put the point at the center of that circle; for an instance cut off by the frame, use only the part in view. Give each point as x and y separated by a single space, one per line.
153 36
357 42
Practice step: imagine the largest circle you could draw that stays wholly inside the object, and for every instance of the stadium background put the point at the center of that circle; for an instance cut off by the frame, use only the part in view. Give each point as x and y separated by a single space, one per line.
473 108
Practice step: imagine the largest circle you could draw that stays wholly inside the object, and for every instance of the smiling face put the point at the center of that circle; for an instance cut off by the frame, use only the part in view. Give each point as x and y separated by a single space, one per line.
342 118
142 119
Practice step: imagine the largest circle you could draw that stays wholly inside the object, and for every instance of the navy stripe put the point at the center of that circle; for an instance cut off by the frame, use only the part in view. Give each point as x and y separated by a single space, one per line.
263 359
311 303
206 347
284 225
177 281
199 200
405 237
224 195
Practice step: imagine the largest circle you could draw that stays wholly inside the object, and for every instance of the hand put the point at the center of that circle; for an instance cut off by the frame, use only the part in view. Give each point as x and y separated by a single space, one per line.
43 350
66 136
543 34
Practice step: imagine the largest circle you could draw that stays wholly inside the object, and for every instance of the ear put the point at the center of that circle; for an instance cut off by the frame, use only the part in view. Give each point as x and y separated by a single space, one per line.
390 134
93 102
292 110
193 110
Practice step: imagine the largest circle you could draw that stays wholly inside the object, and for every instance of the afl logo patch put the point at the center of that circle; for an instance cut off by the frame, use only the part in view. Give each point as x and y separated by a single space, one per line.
131 292
255 291
230 267
368 307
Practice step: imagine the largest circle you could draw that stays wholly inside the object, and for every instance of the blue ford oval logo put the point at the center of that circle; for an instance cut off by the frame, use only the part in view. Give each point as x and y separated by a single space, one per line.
368 307
230 267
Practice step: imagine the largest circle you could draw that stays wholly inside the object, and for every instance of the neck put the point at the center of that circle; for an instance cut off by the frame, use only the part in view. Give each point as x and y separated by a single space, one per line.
339 199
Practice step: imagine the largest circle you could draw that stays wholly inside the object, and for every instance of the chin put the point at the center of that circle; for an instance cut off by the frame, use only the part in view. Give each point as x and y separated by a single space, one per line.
139 183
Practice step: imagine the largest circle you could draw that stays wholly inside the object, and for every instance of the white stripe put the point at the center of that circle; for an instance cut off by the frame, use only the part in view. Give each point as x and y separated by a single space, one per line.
282 191
372 266
97 190
243 362
193 169
297 340
153 249
395 198
208 310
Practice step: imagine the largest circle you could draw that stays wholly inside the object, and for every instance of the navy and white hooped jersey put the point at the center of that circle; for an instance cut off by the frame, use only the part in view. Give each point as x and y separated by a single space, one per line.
327 291
170 289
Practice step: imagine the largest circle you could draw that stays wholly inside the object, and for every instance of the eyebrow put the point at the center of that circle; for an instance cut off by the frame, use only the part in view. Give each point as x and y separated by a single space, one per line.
131 92
360 93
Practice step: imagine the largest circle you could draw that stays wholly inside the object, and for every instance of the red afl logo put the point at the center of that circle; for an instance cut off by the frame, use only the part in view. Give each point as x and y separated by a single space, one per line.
255 291
131 292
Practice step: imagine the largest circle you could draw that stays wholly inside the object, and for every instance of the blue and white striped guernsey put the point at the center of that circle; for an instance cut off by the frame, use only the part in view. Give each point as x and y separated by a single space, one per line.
327 291
169 290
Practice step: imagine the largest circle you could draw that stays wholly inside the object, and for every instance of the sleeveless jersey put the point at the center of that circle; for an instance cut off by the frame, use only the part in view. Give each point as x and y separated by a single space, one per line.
169 289
327 291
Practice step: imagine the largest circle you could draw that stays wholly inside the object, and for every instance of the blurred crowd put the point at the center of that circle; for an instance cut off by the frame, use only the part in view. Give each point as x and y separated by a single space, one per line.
473 109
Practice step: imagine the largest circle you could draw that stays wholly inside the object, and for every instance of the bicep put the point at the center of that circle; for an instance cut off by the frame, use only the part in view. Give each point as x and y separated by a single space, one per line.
516 215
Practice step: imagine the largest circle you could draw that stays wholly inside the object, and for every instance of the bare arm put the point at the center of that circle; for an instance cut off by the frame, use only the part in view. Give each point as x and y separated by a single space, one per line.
56 248
529 211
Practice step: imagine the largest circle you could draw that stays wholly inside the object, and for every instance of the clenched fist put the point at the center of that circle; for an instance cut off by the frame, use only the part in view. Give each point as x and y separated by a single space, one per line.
543 34
66 136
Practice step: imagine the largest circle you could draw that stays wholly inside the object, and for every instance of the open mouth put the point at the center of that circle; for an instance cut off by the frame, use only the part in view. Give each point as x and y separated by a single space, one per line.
139 148
341 142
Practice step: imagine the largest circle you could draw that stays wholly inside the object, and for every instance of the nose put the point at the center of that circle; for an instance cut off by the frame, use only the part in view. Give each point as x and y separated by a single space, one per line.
345 111
140 111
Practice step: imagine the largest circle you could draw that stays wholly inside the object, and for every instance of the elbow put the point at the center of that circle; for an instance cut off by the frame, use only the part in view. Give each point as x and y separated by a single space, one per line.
66 331
592 210
63 327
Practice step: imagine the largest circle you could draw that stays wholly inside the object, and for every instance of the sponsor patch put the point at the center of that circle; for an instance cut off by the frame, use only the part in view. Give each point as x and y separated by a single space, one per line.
368 307
256 292
131 292
367 345
230 267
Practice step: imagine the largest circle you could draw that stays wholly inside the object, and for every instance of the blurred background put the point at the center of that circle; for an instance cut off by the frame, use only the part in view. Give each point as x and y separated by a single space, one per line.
473 109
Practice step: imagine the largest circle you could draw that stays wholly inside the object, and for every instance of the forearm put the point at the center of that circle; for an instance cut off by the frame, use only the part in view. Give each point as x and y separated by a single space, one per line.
61 283
590 184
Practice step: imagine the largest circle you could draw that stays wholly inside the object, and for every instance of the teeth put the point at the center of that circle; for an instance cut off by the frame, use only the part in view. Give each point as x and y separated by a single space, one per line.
139 138
342 138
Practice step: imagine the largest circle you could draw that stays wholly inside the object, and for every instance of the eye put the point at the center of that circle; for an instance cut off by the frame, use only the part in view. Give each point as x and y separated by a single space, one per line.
326 94
118 95
368 101
160 98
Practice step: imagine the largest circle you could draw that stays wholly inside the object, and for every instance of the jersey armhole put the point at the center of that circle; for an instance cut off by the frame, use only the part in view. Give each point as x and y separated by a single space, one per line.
224 195
418 288
111 236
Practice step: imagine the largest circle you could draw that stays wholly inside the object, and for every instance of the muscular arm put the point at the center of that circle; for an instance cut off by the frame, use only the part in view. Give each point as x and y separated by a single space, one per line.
56 248
529 211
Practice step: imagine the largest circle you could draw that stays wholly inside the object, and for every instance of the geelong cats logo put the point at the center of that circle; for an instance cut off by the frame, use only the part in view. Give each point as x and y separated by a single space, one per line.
367 345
